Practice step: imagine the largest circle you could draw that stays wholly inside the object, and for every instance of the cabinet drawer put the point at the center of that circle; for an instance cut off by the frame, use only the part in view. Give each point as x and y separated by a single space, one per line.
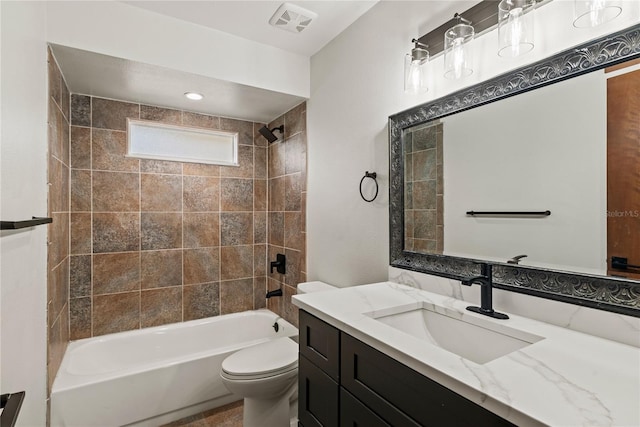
380 382
320 343
353 413
317 396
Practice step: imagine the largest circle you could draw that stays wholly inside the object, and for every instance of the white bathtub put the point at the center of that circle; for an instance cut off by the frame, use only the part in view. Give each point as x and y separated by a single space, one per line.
155 375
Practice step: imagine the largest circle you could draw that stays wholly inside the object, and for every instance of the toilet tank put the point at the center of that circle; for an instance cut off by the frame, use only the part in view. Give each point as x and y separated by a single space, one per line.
309 287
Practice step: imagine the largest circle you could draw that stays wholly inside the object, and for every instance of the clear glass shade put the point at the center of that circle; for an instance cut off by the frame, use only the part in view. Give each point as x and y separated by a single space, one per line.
415 71
515 27
595 12
458 59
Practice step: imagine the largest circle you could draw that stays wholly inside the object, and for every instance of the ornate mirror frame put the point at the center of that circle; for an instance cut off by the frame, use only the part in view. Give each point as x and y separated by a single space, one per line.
601 292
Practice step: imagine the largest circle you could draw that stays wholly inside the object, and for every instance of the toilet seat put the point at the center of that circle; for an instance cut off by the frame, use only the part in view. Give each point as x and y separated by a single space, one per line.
264 360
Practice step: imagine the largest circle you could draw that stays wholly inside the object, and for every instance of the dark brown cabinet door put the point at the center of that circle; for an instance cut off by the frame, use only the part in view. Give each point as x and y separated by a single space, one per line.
402 396
354 414
320 343
318 396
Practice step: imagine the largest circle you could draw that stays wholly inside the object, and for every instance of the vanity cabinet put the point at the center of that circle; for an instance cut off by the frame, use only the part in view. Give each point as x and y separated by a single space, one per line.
318 372
320 395
345 382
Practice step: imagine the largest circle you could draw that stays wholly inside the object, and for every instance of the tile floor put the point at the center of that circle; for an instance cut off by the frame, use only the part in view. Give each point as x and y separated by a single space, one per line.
226 416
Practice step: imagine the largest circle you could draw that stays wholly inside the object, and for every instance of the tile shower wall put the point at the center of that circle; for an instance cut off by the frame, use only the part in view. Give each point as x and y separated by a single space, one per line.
287 208
58 230
424 229
157 242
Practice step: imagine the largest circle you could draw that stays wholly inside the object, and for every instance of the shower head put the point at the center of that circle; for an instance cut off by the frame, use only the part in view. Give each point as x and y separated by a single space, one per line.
264 131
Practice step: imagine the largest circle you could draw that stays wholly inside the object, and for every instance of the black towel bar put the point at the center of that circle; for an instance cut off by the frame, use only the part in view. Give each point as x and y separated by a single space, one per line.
510 213
15 225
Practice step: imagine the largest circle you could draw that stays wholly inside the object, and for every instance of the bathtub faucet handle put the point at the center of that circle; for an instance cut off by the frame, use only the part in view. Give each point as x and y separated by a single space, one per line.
280 264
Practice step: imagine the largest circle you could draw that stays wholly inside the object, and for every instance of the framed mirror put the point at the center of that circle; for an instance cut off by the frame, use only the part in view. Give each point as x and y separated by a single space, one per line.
520 183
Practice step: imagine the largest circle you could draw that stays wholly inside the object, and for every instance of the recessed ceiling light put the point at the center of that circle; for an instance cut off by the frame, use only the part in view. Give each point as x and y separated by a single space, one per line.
194 96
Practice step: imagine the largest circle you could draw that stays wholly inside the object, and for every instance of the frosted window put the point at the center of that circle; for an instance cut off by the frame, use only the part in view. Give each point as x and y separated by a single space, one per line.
159 141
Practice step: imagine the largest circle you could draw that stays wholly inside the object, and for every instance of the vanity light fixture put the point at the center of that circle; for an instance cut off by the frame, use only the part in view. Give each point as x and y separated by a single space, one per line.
515 27
591 13
415 68
194 96
457 49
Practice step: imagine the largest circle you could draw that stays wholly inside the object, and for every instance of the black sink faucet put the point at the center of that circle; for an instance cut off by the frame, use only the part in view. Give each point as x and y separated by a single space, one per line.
486 283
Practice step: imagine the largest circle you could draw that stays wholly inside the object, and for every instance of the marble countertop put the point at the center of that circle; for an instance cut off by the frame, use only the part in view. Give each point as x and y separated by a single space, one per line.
565 379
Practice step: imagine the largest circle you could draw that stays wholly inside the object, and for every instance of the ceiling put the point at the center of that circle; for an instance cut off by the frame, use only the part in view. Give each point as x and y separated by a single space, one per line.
94 74
250 19
104 76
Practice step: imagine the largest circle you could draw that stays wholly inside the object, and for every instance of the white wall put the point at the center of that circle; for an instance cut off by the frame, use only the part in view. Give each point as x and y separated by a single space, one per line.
356 83
128 32
23 193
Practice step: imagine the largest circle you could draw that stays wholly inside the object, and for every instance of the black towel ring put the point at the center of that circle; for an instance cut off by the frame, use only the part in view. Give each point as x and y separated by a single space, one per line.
373 176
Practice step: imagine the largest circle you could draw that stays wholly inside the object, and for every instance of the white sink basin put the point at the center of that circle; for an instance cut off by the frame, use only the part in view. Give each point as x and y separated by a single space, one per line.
476 339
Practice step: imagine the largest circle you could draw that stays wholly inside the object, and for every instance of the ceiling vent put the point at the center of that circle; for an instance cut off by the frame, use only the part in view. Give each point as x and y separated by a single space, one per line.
292 18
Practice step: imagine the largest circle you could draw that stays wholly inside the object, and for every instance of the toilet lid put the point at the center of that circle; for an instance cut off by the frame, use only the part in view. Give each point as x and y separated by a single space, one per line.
270 357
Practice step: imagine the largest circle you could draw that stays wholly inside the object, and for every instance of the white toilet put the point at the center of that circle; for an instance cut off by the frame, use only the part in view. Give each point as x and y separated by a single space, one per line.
266 376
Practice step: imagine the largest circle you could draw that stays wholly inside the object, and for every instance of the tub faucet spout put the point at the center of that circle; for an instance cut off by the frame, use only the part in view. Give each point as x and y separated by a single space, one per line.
274 293
486 289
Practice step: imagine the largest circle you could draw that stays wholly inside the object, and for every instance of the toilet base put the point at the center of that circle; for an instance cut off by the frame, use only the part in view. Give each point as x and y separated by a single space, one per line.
275 412
293 410
265 413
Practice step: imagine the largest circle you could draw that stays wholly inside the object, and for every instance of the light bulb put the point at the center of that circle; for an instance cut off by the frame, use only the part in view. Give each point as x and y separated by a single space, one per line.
458 57
415 77
515 27
457 50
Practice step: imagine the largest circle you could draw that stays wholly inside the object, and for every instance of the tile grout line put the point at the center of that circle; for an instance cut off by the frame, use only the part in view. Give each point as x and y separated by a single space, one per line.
91 307
182 317
140 235
219 236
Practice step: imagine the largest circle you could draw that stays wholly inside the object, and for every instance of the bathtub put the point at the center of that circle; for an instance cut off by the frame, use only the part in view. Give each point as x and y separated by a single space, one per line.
156 375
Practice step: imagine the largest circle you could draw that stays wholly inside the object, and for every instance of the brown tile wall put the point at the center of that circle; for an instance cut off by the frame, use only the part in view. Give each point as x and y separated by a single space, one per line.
287 208
424 229
58 231
157 242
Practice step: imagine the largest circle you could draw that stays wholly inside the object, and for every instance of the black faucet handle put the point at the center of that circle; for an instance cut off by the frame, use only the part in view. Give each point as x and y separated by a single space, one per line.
280 264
